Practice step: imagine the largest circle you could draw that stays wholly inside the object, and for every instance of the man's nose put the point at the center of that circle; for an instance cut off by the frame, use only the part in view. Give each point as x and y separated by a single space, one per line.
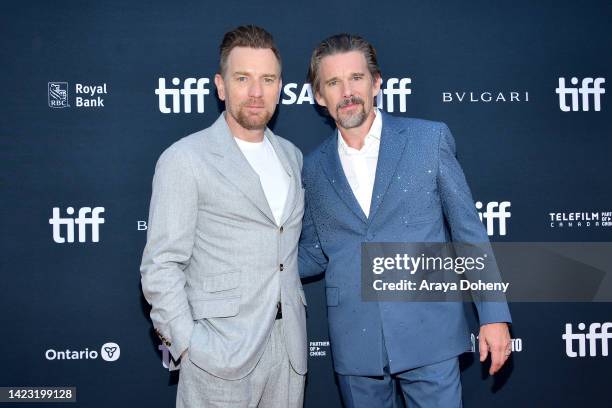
347 89
255 89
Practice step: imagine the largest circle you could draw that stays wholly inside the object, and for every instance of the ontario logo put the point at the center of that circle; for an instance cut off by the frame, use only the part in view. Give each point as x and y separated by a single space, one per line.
108 352
58 94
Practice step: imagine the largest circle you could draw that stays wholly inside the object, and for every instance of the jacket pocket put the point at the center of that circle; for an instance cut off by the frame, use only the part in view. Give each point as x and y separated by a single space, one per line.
222 282
204 309
218 296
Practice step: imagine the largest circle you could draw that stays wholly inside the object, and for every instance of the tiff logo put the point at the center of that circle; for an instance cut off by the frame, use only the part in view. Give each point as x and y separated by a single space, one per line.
87 216
495 211
188 90
589 87
390 91
597 333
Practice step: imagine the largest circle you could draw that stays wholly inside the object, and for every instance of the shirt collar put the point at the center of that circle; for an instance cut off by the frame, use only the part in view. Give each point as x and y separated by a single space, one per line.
372 138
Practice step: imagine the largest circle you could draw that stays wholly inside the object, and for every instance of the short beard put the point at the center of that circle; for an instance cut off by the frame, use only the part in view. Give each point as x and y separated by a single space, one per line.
251 122
354 120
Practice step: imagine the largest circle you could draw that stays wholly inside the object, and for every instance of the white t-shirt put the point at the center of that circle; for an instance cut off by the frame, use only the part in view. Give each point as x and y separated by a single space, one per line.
272 175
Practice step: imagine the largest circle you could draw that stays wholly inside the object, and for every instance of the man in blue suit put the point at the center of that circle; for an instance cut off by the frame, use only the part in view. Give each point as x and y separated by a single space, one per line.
379 178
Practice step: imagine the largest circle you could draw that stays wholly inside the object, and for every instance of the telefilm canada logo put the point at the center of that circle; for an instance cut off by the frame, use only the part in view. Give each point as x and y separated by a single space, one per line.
182 95
580 219
596 339
85 95
108 352
579 98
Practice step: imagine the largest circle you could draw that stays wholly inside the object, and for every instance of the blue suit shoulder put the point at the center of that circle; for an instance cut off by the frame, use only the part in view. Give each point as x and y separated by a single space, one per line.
421 126
421 130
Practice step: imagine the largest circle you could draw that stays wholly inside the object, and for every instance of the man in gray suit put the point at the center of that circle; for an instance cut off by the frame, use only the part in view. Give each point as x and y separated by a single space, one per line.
220 265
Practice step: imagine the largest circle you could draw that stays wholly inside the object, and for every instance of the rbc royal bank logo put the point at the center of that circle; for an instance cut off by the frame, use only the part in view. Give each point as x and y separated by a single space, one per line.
58 94
85 96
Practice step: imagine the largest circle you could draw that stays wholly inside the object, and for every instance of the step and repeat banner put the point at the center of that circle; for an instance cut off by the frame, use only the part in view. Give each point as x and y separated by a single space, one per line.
93 92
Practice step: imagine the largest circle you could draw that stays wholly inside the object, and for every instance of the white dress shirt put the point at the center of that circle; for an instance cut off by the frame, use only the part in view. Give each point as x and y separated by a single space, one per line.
272 175
360 165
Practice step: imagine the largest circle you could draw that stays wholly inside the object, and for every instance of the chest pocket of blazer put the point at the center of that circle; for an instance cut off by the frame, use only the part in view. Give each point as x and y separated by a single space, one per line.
219 296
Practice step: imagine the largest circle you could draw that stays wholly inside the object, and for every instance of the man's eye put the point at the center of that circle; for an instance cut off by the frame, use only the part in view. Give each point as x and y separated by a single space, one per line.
356 77
268 80
241 79
332 83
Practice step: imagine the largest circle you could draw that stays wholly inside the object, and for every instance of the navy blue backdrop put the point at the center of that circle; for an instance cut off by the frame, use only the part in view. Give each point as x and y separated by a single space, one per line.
85 117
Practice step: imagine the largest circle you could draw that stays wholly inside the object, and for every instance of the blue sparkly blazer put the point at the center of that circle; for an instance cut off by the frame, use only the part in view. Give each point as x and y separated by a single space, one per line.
420 195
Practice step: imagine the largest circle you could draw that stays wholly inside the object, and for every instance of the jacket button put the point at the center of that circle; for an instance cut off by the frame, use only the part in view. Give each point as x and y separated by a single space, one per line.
281 228
281 267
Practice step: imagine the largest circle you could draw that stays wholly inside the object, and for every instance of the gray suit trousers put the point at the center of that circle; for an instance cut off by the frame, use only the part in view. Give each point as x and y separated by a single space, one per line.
273 383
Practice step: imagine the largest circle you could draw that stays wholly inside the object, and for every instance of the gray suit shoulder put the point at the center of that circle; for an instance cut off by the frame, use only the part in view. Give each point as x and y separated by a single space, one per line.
189 142
188 145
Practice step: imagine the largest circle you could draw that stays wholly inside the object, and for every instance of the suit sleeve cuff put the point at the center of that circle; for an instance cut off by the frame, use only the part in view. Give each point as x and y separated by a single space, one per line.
493 312
180 334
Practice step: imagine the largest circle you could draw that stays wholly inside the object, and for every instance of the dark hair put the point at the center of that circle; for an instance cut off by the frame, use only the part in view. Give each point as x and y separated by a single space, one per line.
341 43
245 36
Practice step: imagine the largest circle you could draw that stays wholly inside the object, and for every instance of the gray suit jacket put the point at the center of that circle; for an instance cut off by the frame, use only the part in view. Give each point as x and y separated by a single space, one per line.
216 263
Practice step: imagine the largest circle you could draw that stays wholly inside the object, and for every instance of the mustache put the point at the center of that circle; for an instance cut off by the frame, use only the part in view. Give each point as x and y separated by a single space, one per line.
349 101
254 102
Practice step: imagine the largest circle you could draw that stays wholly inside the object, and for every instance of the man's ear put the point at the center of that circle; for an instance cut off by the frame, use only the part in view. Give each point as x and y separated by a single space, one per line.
220 84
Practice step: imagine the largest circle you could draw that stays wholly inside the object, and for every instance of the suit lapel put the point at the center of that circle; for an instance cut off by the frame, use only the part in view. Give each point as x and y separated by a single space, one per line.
330 162
392 146
292 170
232 165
